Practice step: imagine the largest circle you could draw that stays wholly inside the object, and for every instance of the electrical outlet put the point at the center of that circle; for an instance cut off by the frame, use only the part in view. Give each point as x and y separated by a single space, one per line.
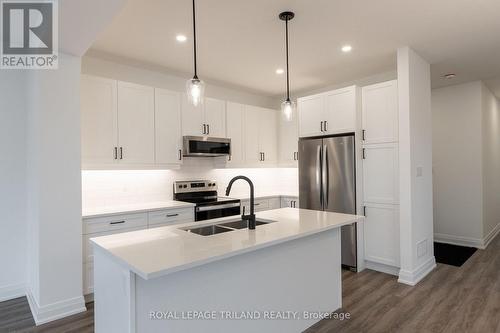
420 171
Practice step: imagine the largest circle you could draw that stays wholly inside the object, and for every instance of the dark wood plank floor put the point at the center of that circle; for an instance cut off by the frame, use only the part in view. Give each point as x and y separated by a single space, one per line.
449 300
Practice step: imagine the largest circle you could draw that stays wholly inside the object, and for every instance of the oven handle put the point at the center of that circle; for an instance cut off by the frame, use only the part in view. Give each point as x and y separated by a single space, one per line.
217 207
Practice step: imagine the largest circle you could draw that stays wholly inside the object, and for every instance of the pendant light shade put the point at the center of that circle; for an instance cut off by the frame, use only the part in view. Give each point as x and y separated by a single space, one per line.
287 107
195 91
195 88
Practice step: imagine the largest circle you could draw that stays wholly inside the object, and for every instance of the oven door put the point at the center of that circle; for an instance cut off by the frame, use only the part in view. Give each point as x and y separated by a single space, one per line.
202 146
215 211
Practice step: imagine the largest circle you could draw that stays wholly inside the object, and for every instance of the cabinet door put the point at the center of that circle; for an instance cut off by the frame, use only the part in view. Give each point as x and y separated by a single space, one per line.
341 111
251 142
288 142
268 135
380 112
382 234
311 112
235 115
193 118
380 174
99 120
168 137
136 123
215 117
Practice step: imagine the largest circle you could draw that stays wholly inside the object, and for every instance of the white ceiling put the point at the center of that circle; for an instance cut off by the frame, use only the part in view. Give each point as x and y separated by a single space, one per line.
241 41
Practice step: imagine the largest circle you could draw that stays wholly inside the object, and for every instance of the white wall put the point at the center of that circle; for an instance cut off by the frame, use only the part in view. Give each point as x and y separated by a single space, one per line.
415 166
466 150
160 78
121 187
13 228
490 112
54 191
456 123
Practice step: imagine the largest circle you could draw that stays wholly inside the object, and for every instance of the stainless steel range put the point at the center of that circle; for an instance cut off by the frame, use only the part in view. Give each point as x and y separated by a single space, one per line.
203 193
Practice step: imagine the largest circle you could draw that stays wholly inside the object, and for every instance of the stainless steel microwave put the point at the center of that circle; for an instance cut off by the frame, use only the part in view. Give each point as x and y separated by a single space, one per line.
203 146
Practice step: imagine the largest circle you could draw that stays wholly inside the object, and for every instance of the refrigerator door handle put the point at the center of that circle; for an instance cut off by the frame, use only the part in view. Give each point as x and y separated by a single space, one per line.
325 177
319 174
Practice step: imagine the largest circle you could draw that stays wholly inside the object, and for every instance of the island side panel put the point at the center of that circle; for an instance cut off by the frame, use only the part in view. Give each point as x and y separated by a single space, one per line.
114 295
299 275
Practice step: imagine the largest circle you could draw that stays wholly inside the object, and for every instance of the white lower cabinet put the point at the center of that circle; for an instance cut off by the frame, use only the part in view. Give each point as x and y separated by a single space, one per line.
382 234
115 224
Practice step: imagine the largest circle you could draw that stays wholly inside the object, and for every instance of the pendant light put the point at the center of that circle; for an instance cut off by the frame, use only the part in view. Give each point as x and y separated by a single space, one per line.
195 87
287 107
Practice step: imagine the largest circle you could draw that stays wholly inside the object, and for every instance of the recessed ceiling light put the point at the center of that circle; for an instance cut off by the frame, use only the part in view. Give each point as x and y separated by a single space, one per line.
449 76
346 48
280 71
181 38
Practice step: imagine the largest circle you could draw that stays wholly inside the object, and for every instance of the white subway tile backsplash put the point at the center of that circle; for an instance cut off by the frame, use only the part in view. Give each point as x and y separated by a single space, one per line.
122 187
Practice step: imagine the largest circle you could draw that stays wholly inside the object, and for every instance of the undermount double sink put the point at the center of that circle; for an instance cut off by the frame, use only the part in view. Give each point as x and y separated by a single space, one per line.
223 227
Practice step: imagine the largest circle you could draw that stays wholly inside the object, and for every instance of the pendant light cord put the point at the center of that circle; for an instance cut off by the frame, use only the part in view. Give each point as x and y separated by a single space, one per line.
194 39
287 69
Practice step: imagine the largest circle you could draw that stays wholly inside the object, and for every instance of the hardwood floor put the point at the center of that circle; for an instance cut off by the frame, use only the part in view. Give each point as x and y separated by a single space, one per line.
449 300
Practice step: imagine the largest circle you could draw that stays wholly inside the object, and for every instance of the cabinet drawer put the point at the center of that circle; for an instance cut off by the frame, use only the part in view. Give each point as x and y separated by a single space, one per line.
88 256
170 216
114 223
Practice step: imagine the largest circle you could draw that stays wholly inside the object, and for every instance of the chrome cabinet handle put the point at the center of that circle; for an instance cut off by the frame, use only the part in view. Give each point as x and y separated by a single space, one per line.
172 215
116 153
326 126
363 135
321 126
204 129
121 153
180 155
116 222
208 129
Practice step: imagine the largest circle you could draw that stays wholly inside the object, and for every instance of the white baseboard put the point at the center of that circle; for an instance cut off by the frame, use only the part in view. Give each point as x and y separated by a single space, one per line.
411 278
491 235
459 240
54 311
375 266
12 291
479 243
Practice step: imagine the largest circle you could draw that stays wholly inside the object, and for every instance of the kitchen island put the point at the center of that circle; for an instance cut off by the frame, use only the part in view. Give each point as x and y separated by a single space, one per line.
213 277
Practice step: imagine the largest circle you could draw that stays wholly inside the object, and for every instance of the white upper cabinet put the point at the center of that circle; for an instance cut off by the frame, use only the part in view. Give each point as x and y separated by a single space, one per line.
215 117
99 120
333 112
261 137
235 116
340 114
136 124
268 135
380 112
168 136
253 154
311 112
208 118
193 118
288 141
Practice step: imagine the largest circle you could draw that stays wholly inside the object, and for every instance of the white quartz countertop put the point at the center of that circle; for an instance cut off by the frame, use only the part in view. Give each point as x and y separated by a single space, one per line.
133 208
160 251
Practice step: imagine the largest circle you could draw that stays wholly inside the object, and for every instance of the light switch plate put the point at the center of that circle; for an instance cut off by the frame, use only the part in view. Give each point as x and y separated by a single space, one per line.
420 171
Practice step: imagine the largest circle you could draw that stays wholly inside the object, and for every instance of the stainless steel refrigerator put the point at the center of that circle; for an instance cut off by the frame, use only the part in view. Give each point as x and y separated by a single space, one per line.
327 181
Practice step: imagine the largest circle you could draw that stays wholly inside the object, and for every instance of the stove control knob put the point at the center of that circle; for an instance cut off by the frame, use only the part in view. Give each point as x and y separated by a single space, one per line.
180 186
185 186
